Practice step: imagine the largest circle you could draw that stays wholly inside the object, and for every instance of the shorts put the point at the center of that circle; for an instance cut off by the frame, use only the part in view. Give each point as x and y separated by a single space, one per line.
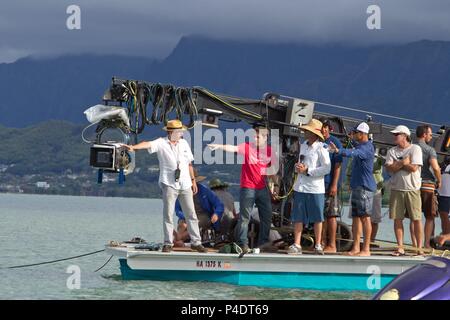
444 204
429 203
405 204
376 207
308 207
362 202
332 206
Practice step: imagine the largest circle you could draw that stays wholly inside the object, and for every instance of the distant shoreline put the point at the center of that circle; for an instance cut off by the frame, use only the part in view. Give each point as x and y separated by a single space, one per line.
72 195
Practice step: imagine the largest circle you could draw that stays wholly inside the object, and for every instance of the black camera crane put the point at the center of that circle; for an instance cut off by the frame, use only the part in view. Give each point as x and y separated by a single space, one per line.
196 103
274 110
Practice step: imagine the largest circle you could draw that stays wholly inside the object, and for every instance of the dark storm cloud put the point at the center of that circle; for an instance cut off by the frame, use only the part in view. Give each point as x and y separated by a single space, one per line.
153 27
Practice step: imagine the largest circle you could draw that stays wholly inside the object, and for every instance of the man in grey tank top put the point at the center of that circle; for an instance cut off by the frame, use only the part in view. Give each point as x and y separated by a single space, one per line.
431 180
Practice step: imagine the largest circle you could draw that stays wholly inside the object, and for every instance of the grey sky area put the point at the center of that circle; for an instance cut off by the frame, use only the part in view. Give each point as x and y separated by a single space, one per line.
152 28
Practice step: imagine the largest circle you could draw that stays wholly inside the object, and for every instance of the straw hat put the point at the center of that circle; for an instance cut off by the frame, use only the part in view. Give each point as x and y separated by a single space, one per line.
314 126
217 183
197 177
174 125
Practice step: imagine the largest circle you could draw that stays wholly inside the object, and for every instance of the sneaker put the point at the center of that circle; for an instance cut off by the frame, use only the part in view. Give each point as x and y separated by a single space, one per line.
318 249
245 249
167 248
199 248
294 249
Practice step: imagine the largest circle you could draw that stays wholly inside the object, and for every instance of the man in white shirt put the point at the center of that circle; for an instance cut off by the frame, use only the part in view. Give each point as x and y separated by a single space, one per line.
309 187
404 163
177 180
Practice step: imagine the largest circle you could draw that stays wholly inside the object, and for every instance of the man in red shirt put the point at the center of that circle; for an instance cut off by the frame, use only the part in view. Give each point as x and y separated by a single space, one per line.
257 160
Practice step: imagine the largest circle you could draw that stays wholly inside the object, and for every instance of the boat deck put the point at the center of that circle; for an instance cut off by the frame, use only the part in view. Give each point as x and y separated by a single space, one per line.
375 252
186 259
270 269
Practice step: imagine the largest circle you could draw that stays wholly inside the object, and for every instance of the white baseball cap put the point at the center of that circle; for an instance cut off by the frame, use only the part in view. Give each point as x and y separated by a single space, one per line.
402 129
362 127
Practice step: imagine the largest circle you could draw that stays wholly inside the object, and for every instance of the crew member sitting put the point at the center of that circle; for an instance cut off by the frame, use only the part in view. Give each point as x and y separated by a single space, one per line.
209 211
229 216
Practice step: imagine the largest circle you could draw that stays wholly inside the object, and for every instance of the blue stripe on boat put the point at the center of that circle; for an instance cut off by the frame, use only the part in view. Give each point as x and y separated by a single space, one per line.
292 280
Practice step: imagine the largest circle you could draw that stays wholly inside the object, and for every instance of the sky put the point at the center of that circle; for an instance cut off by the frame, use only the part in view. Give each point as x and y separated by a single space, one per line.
152 28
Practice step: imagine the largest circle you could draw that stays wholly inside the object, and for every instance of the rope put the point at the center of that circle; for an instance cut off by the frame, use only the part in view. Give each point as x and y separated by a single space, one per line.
374 113
289 192
53 261
104 264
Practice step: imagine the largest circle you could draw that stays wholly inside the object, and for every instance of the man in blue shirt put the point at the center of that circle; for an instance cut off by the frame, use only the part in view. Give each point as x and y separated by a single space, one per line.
332 185
363 187
208 207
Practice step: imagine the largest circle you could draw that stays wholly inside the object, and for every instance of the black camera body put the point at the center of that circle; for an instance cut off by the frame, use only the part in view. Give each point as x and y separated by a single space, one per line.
111 157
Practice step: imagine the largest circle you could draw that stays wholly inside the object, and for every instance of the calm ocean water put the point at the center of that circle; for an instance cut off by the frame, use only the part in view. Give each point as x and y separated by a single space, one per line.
36 228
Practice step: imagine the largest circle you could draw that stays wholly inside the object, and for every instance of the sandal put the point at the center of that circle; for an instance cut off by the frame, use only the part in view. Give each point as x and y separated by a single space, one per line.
398 253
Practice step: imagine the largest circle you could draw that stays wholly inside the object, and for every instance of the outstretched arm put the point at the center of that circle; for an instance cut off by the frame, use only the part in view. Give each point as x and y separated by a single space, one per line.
139 146
349 153
225 147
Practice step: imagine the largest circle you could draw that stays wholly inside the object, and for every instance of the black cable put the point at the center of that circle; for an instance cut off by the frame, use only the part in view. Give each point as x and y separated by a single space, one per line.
229 106
157 93
169 103
53 261
104 264
228 120
166 99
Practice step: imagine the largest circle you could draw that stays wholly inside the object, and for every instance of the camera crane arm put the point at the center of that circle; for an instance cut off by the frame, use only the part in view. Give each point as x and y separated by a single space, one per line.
273 110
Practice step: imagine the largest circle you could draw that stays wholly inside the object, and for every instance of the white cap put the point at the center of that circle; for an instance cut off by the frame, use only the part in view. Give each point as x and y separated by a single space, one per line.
362 127
402 129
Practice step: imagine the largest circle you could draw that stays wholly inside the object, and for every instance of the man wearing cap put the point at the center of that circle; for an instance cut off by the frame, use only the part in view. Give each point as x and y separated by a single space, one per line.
431 180
176 179
208 207
404 162
376 214
309 187
257 162
363 186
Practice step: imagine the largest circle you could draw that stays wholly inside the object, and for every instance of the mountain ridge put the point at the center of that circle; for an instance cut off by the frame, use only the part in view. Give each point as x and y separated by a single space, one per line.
407 80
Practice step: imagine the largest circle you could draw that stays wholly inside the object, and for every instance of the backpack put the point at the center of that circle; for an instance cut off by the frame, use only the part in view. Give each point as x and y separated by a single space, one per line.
230 248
